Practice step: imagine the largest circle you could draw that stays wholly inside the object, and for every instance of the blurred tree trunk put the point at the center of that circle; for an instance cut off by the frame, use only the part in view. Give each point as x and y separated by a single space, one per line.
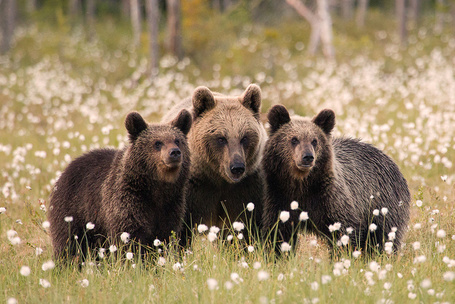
174 44
400 7
135 21
90 14
74 9
361 13
321 26
414 9
7 23
153 19
31 6
125 9
347 9
440 15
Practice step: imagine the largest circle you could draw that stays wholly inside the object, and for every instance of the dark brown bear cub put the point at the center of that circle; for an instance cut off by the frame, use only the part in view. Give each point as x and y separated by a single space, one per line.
138 190
336 181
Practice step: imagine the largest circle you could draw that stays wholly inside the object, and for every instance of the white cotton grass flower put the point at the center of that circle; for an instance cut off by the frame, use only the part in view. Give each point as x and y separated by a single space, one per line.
294 205
48 265
238 226
25 271
448 276
202 228
412 295
90 226
44 283
388 247
285 247
11 301
314 285
112 248
425 284
263 275
211 236
384 211
176 266
344 240
12 237
420 259
387 285
417 226
284 216
349 230
419 203
250 248
376 212
156 242
374 266
236 278
325 279
84 283
356 254
214 229
280 277
212 284
2 210
303 216
391 235
129 256
250 207
257 265
228 285
68 219
416 245
240 236
101 252
38 251
46 224
441 234
161 261
373 227
229 237
125 237
444 178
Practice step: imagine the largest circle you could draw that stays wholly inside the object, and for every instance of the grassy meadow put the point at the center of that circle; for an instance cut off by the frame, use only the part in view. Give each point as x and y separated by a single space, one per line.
62 95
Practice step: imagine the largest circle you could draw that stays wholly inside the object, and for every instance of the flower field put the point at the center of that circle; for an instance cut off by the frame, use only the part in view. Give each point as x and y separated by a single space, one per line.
61 96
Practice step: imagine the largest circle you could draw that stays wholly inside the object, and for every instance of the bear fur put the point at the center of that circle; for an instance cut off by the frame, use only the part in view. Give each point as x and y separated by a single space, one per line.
226 143
139 189
339 180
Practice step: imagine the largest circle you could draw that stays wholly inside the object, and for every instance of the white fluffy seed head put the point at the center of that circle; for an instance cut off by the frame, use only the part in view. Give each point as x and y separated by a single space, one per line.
284 216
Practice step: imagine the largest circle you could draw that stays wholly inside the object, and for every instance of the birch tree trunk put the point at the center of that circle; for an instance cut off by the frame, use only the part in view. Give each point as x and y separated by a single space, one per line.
153 18
126 9
7 24
361 13
440 8
414 9
326 29
74 8
401 16
31 6
135 21
90 13
321 26
347 8
174 28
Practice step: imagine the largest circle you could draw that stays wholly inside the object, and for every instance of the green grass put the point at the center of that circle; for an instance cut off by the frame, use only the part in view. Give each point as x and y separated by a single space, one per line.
61 95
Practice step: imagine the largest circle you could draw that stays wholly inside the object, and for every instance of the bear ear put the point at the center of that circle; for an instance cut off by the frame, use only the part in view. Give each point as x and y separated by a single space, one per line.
278 116
203 100
183 121
251 98
325 120
135 124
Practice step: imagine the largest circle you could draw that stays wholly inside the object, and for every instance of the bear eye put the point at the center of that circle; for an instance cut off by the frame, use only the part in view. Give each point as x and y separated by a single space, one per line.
294 141
177 142
158 145
222 140
244 140
314 142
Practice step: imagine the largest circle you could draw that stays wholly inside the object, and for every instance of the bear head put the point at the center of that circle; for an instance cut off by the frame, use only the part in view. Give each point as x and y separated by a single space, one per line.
227 137
300 144
158 151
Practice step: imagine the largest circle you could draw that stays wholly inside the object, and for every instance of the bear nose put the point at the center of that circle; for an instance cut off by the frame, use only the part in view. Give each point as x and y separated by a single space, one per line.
308 159
238 168
175 154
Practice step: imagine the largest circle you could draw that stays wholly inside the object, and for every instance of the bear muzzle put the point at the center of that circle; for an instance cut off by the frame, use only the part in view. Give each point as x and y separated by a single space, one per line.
306 162
173 158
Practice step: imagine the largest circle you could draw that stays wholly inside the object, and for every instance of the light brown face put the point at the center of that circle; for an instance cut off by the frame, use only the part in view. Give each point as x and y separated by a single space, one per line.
230 142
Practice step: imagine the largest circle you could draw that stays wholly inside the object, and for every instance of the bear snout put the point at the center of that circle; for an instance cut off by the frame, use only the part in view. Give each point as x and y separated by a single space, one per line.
237 169
307 160
173 158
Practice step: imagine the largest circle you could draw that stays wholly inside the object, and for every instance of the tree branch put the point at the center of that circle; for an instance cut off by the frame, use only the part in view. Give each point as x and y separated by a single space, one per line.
303 11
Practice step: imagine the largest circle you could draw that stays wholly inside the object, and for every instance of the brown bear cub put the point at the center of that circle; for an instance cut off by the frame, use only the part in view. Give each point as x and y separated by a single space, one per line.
138 190
336 181
226 144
